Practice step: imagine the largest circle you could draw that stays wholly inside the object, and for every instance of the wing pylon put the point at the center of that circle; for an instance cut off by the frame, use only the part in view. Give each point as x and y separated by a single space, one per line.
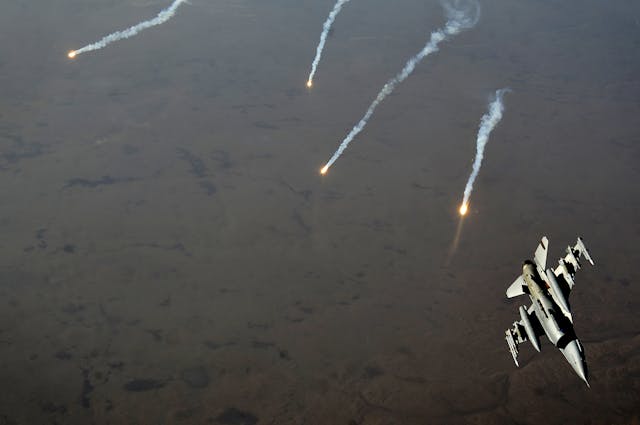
528 328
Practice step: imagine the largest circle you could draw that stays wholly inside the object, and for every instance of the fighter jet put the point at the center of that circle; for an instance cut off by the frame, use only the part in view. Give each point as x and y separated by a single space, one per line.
550 312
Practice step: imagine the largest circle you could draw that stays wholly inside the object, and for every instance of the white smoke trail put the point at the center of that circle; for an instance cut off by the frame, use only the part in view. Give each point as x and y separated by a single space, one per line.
458 20
487 124
323 38
161 18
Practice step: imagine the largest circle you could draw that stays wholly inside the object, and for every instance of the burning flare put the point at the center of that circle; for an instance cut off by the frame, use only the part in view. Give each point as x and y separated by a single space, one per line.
464 208
487 124
323 39
161 18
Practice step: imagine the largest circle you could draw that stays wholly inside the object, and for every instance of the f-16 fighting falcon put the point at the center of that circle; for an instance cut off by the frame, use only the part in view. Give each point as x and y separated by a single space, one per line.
549 313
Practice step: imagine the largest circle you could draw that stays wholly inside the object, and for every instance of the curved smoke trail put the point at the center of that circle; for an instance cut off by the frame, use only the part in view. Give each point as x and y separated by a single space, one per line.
458 20
161 18
487 124
323 38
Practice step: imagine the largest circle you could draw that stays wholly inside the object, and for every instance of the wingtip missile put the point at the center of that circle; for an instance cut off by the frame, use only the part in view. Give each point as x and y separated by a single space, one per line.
585 252
513 349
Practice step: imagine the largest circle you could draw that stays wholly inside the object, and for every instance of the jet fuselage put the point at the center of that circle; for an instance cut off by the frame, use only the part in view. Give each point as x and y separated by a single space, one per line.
557 327
543 304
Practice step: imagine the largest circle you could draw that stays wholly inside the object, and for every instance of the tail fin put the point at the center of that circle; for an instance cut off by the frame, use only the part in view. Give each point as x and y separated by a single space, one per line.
541 253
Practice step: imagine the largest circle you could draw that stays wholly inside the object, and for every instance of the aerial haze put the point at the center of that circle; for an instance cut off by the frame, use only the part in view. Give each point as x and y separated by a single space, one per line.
170 252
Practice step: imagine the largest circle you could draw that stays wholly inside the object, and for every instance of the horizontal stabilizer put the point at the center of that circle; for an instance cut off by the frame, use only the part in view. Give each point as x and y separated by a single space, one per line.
518 287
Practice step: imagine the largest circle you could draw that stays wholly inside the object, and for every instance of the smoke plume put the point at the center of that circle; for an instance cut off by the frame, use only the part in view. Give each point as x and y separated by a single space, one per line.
161 18
459 19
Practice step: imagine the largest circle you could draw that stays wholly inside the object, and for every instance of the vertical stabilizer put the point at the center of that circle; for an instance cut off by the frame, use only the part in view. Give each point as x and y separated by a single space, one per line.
541 253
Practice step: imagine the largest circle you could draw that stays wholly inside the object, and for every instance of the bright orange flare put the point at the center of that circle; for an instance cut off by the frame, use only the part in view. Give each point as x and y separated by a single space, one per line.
310 84
464 208
72 54
324 170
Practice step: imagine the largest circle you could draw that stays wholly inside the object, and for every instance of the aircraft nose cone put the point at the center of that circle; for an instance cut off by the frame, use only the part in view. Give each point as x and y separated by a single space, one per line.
573 354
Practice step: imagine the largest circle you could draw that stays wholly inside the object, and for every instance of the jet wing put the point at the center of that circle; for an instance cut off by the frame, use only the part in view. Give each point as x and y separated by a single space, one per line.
569 265
528 328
